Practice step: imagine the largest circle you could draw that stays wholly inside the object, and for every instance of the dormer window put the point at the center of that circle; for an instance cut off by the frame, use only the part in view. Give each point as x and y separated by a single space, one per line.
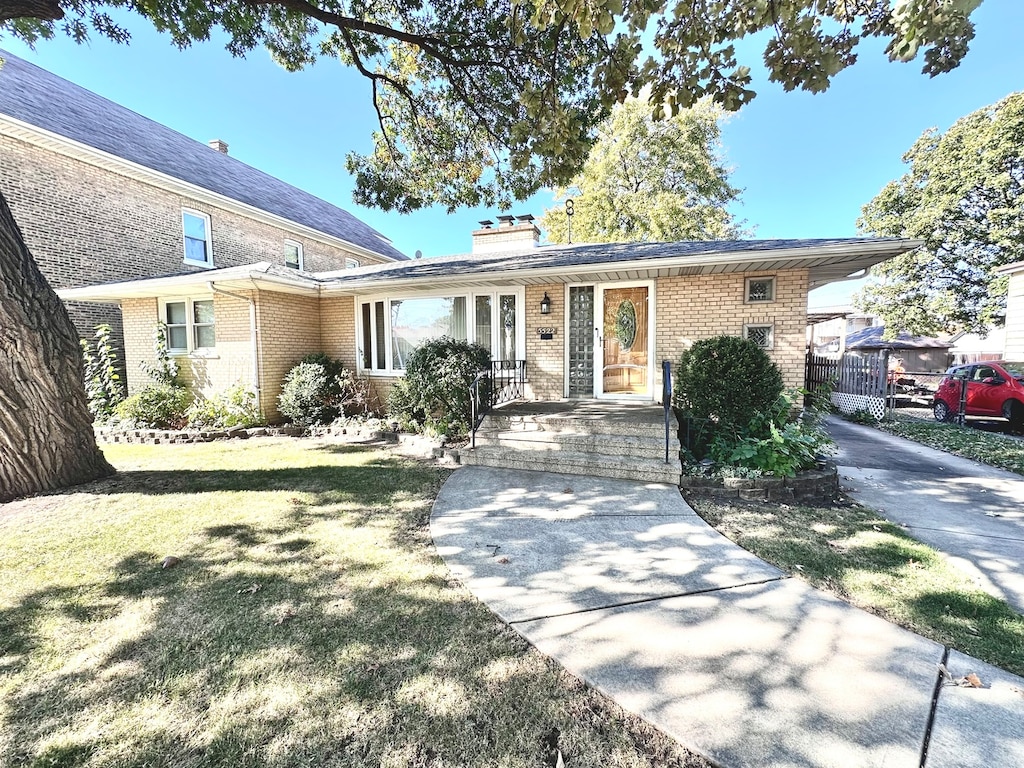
293 254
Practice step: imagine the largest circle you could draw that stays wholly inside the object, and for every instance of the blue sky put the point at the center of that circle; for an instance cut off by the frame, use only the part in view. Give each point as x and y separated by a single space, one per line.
807 163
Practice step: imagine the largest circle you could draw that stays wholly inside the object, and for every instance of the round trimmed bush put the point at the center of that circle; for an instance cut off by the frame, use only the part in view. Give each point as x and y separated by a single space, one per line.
728 381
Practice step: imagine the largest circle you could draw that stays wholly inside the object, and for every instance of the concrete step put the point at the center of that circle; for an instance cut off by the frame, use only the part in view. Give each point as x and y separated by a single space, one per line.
593 464
499 422
638 446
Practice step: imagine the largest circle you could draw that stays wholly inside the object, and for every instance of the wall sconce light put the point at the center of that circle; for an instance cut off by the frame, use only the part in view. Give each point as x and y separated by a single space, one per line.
545 305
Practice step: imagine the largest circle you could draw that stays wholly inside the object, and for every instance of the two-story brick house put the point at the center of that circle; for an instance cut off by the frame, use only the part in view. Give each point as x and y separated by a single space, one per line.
104 194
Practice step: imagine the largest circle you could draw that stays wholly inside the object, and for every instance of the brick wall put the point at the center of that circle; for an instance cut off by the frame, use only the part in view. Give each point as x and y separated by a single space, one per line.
289 329
86 225
692 308
545 358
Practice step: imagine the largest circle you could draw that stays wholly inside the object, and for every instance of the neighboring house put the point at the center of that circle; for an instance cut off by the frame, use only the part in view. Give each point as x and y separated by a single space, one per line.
586 321
976 348
918 353
1014 344
102 194
828 327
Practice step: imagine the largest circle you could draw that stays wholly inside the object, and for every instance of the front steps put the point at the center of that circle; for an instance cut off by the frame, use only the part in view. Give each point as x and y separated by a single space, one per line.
607 440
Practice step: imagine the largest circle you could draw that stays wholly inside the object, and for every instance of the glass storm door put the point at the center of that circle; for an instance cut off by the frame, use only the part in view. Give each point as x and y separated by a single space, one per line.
581 341
625 352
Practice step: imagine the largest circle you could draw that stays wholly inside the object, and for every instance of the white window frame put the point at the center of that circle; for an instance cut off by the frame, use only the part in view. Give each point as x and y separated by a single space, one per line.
761 279
190 325
207 228
351 263
469 296
771 333
298 248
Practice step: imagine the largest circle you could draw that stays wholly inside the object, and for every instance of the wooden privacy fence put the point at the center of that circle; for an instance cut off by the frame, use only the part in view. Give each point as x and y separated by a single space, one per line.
860 380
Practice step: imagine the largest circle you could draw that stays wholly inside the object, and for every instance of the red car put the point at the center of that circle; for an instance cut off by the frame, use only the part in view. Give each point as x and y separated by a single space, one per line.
994 388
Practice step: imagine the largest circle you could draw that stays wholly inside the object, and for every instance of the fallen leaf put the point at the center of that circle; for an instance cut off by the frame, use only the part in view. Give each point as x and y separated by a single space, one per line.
169 562
252 589
567 490
288 615
971 681
503 560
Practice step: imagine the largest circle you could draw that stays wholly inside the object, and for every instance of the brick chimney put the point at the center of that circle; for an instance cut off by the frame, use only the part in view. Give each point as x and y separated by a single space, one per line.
220 146
512 233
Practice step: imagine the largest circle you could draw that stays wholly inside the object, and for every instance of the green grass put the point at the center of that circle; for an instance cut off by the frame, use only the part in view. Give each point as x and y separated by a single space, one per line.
309 623
866 560
988 448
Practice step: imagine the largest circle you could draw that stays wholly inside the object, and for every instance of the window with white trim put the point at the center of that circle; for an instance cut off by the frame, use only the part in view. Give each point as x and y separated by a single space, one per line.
762 335
392 327
351 263
190 325
293 254
760 290
195 227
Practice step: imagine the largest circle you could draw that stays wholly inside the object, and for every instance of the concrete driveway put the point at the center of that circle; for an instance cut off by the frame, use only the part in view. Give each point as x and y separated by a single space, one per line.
971 512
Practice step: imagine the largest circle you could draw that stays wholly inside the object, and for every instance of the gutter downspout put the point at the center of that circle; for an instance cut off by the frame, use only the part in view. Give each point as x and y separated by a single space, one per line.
253 331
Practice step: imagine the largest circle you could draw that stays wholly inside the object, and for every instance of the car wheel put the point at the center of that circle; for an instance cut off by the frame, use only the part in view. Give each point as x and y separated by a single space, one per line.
942 412
1013 412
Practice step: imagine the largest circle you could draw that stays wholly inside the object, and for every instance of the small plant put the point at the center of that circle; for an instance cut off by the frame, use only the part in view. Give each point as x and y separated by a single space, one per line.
103 385
434 394
165 370
156 406
319 389
233 407
862 416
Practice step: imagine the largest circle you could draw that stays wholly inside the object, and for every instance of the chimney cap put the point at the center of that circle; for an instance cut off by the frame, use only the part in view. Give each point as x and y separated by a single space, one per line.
486 223
505 219
218 145
525 218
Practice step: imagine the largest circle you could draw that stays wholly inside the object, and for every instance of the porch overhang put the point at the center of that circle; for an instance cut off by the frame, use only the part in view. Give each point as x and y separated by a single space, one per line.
253 277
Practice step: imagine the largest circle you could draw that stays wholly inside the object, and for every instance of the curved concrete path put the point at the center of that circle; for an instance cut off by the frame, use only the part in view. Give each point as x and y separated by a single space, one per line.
972 513
626 587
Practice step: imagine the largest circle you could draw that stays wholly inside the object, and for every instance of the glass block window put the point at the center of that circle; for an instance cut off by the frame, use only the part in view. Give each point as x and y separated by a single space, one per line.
762 335
760 289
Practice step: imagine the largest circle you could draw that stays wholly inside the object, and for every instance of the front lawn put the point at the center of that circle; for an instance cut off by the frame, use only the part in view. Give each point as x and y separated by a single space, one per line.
308 623
993 449
857 555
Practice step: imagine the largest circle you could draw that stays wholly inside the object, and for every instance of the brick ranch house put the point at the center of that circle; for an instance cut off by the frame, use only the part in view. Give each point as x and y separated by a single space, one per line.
101 193
585 321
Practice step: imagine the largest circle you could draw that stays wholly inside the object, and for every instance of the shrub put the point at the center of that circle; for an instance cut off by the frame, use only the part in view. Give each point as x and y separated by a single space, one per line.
103 385
434 394
318 390
156 406
727 380
234 407
165 370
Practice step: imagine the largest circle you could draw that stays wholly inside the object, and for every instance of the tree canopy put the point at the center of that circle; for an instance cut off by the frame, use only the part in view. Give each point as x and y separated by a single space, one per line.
964 197
647 179
481 102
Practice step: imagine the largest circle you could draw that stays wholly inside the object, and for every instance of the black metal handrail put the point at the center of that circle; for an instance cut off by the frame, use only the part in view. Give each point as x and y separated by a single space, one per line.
666 399
504 382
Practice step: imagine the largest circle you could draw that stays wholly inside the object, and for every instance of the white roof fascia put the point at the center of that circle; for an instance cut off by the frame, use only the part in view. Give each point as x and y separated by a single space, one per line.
893 247
45 139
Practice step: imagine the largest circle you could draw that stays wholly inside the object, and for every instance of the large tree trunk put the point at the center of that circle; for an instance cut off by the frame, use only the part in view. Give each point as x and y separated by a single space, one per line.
46 437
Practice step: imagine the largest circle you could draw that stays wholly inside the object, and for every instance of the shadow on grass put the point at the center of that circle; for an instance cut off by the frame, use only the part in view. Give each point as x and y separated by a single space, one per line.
269 646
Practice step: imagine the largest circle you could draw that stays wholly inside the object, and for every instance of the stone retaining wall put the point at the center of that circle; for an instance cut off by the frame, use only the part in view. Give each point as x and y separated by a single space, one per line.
817 486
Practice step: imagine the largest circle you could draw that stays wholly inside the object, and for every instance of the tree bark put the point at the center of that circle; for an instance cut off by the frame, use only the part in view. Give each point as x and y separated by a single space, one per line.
46 436
48 10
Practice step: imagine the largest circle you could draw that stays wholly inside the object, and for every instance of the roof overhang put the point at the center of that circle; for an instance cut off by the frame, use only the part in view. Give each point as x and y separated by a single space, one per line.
248 278
825 264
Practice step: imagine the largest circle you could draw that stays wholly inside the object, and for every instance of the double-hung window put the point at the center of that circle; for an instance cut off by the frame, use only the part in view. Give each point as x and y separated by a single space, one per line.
196 229
392 327
190 325
293 254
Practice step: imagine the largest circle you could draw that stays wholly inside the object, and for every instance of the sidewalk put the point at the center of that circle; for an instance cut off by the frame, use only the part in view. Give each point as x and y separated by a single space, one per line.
626 587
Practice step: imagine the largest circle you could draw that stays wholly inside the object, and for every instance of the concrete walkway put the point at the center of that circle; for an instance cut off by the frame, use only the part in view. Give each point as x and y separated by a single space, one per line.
971 512
626 587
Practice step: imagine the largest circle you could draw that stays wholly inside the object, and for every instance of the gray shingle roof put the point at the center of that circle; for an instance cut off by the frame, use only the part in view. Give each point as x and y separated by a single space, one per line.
583 255
871 338
40 98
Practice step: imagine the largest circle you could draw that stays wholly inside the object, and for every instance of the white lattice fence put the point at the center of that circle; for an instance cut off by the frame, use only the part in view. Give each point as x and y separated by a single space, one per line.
849 403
